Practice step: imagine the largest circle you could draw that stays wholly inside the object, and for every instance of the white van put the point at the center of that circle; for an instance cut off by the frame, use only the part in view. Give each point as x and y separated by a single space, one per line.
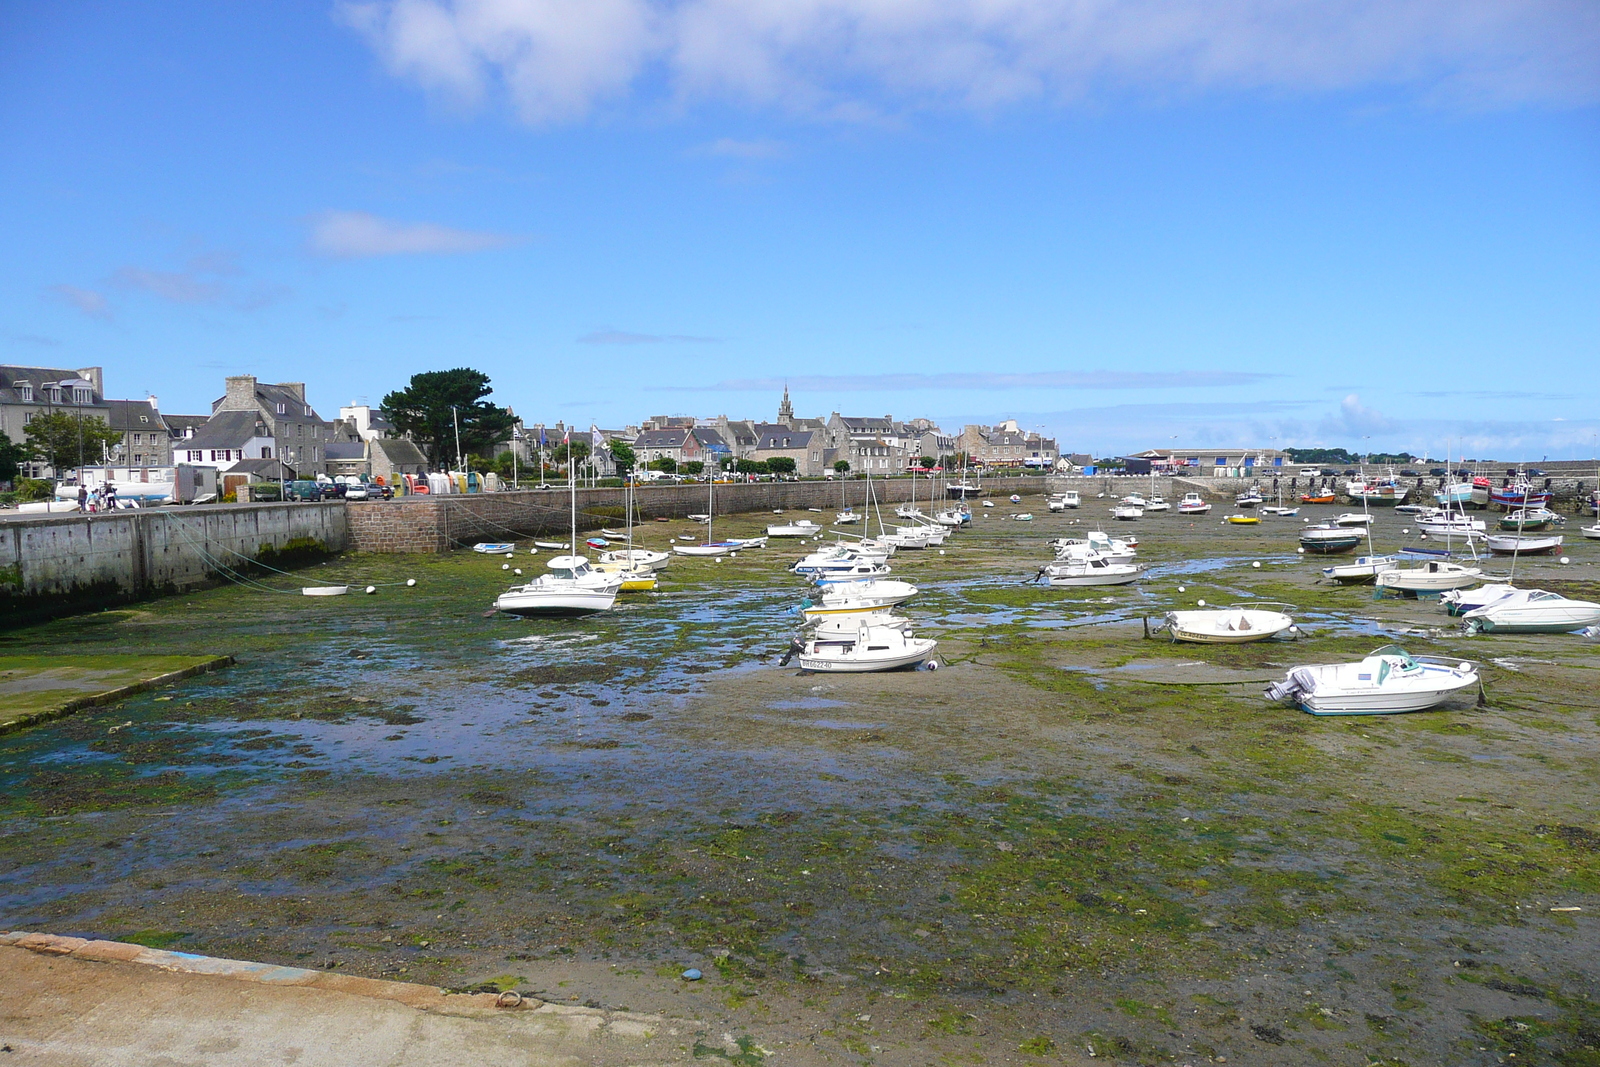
1310 472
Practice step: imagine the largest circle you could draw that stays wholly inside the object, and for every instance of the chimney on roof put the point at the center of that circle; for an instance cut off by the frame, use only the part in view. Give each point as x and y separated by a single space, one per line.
297 389
93 376
155 405
241 393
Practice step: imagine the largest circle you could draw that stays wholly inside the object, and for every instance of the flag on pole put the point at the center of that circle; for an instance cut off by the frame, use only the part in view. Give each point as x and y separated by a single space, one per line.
597 440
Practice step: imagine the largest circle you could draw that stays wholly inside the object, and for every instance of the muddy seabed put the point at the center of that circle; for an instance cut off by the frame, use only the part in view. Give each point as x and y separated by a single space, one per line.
1069 843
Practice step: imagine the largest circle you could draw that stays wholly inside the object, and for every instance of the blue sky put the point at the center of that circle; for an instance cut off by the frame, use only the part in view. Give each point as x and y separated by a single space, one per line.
1235 222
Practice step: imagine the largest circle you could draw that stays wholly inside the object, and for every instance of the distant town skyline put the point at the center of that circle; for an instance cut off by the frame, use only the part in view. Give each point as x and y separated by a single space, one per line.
1258 229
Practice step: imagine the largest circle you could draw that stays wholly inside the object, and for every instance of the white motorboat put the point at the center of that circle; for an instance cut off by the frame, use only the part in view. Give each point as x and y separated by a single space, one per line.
954 517
1193 504
1133 500
1533 611
799 528
1116 549
1390 680
1279 510
1226 626
1127 512
1461 601
869 648
1327 538
1156 503
1360 570
1523 544
883 590
1591 532
1432 576
1056 502
856 572
846 517
570 588
1353 518
1089 569
1249 498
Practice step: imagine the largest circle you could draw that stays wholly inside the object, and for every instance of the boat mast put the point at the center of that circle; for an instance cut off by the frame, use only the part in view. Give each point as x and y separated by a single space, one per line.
572 493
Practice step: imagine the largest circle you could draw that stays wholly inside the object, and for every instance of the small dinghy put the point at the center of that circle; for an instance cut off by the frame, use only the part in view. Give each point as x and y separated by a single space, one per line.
1353 518
1432 576
1591 532
551 544
1026 516
494 548
841 625
597 542
1245 520
988 503
1530 519
1389 681
867 648
1324 497
1226 626
1015 499
1522 544
1361 570
1532 611
1280 511
703 518
710 548
802 528
325 590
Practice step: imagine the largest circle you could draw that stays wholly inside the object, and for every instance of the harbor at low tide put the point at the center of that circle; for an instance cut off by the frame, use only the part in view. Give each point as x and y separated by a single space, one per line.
1070 838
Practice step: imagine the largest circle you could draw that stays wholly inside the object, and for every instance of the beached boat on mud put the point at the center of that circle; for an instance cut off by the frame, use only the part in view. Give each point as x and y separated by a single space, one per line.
1533 611
1193 504
570 588
1089 569
1523 544
1329 538
1361 570
1387 682
868 649
1226 626
1430 576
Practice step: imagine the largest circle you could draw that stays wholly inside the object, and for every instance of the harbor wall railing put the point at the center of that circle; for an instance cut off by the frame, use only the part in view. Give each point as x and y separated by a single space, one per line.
60 564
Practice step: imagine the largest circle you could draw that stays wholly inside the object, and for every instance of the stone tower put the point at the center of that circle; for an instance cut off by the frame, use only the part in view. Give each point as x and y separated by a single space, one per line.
786 410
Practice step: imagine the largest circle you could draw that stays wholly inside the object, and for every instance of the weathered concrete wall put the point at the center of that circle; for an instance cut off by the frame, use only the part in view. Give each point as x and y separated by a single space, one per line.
439 523
56 564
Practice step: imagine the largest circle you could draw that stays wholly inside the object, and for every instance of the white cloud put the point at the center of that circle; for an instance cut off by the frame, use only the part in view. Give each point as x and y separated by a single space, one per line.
855 59
88 301
1358 419
356 234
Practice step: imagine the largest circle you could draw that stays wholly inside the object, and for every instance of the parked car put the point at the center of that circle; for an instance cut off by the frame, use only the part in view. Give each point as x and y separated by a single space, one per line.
1309 472
303 489
1535 472
1437 472
356 491
1408 473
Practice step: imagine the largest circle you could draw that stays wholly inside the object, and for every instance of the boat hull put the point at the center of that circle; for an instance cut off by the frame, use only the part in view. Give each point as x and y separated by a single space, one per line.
1216 627
853 663
1328 546
1523 546
562 605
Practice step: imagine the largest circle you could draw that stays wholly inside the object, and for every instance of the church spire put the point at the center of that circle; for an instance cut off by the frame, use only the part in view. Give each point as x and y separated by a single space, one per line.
786 409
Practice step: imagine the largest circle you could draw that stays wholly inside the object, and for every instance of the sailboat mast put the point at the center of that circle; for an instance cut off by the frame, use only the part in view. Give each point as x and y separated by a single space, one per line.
572 496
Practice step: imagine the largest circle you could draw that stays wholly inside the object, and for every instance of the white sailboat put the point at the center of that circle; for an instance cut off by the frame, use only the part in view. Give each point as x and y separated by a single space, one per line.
570 587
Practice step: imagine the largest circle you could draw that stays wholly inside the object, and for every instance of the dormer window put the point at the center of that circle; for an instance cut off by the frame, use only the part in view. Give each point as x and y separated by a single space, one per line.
281 409
25 391
80 395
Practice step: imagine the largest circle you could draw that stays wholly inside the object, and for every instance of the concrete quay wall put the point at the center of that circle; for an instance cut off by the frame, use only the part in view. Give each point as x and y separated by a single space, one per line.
58 564
440 523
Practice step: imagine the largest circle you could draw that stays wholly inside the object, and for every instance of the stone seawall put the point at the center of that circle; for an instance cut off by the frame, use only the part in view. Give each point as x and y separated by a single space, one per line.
58 564
440 523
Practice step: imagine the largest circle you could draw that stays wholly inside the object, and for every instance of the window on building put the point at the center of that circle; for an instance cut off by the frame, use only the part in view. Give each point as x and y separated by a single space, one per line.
25 391
280 409
81 396
1222 461
266 451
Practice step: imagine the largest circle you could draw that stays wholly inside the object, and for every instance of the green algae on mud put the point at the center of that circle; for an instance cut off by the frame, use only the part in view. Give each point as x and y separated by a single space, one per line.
1031 846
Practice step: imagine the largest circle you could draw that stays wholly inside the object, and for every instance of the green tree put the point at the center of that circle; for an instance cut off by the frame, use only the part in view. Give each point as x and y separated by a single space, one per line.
578 450
666 464
752 466
781 465
622 453
926 462
12 456
66 439
842 466
693 468
437 403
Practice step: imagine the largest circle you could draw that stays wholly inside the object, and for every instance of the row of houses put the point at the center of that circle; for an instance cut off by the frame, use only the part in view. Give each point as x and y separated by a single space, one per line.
261 430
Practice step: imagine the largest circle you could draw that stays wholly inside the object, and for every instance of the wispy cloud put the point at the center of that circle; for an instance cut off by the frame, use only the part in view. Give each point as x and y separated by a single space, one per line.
1356 418
750 151
622 337
33 339
357 235
181 287
1093 379
854 60
89 301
